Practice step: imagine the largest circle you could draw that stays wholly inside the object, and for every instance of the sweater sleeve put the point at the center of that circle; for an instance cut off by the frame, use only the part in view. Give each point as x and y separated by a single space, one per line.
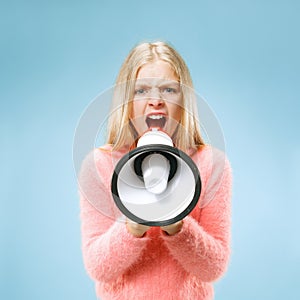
202 246
108 249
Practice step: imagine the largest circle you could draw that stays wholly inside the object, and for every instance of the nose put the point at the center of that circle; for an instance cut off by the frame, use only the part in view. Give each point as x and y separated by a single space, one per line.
155 102
155 99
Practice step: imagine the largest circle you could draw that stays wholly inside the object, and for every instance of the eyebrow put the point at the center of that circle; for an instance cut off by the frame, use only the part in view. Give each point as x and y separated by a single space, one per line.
170 83
147 82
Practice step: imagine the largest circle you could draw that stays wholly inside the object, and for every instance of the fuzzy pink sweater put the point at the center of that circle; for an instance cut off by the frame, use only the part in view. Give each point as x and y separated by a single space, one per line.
156 266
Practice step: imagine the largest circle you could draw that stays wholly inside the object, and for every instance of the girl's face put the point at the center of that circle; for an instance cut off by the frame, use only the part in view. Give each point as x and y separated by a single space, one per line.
157 101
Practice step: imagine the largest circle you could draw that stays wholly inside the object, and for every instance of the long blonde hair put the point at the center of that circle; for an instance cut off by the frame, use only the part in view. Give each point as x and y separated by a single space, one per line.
120 131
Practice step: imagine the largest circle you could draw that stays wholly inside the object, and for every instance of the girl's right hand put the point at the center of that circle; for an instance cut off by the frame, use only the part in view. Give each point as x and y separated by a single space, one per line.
137 230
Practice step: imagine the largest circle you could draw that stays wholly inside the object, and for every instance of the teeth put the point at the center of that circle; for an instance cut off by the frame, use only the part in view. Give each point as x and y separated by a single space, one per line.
154 121
156 117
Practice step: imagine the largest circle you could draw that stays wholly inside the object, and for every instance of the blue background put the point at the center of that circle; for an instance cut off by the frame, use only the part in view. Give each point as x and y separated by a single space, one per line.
56 56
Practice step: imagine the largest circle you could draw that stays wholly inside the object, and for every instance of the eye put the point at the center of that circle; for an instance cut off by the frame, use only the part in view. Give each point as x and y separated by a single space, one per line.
169 90
140 91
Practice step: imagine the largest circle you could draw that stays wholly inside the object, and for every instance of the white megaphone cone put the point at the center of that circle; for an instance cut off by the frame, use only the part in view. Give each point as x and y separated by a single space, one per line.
156 184
155 167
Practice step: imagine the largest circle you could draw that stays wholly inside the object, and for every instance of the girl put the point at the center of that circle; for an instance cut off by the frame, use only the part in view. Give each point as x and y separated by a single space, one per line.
132 261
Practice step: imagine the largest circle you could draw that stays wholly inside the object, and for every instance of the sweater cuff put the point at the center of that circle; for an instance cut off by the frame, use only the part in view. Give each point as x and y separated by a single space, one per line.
123 246
184 235
120 231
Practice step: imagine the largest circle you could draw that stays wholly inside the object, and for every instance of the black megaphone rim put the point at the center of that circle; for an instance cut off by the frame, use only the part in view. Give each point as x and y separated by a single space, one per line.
155 148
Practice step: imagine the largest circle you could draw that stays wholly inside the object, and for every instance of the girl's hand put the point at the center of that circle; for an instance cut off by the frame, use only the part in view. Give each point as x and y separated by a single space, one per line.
173 228
137 230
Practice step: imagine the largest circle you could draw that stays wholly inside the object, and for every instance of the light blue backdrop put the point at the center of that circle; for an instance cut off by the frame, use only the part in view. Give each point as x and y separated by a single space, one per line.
56 56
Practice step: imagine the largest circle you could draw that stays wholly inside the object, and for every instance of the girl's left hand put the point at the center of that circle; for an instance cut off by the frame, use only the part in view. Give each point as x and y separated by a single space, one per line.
173 228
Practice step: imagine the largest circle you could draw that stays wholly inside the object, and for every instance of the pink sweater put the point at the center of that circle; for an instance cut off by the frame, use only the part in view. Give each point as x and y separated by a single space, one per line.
156 266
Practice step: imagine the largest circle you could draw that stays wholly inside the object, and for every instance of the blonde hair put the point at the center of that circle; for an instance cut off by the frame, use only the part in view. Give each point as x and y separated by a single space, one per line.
120 131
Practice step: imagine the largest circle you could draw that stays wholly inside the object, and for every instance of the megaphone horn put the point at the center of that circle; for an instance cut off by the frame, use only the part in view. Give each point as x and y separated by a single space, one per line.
156 184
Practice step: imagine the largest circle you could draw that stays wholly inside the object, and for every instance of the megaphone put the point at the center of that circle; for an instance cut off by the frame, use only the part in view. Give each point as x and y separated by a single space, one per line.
156 184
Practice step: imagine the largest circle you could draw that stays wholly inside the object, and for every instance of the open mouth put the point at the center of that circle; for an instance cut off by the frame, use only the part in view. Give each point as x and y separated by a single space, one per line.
156 121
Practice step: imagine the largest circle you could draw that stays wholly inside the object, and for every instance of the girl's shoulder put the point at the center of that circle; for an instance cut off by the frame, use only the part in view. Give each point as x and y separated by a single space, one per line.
103 157
211 159
96 158
210 152
105 148
99 163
